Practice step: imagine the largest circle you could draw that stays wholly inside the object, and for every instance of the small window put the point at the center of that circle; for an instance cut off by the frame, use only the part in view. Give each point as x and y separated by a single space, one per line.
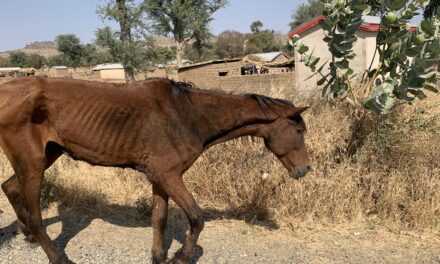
223 73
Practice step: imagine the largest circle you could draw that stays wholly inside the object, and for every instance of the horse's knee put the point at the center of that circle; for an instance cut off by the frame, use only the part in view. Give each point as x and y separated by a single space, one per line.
5 186
197 220
10 188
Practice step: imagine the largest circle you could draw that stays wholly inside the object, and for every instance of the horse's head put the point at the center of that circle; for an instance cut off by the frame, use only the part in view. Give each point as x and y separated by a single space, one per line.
285 138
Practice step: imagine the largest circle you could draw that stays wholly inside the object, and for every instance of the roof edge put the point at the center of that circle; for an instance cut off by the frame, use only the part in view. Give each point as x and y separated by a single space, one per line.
369 27
306 26
208 62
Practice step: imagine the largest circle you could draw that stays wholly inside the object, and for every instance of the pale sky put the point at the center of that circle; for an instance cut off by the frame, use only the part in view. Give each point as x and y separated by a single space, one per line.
25 21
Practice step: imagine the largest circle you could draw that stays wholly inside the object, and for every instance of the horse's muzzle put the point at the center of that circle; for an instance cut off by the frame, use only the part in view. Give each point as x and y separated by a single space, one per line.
300 171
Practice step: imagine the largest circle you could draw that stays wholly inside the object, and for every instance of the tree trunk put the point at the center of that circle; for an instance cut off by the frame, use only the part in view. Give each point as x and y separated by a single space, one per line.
179 53
129 75
125 37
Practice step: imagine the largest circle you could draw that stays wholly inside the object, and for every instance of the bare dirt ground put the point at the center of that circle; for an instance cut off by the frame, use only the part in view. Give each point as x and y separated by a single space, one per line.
118 236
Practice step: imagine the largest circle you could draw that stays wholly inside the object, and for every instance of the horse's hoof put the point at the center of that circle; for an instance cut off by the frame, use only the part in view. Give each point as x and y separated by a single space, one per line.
63 260
30 239
159 261
175 260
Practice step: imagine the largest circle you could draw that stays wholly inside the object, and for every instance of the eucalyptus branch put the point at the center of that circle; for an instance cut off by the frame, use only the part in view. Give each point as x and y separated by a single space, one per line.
408 58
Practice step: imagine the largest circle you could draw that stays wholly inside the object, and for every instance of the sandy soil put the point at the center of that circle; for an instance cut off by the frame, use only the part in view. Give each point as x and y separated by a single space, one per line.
120 236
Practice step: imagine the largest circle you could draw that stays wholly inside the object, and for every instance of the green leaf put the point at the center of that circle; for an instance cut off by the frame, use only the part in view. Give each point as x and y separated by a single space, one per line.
431 87
325 88
352 27
343 65
372 73
401 94
295 38
419 94
384 103
426 27
413 51
335 52
428 75
341 48
327 39
321 81
326 24
390 40
394 5
365 9
434 47
322 66
303 49
350 56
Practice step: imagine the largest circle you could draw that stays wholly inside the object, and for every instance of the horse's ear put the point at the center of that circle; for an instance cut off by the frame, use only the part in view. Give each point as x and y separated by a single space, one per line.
296 110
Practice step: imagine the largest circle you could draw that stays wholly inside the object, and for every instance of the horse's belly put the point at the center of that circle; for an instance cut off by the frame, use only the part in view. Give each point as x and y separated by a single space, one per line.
108 136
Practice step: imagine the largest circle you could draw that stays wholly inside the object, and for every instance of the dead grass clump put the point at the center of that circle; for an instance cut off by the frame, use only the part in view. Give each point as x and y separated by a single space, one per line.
79 185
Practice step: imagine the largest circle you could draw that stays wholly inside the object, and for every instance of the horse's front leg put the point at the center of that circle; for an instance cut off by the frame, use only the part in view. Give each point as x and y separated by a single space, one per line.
159 223
175 188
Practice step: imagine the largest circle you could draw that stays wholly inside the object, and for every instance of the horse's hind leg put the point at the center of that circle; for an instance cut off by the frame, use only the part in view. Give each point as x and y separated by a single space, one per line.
159 223
29 163
11 189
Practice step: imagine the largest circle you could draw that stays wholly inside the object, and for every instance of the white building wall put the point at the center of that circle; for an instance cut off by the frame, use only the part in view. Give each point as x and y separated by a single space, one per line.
364 49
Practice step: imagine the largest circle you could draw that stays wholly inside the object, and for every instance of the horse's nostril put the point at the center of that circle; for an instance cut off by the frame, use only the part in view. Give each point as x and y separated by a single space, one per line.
309 168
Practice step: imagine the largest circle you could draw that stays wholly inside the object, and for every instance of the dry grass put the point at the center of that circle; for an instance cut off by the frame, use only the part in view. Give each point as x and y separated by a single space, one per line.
385 170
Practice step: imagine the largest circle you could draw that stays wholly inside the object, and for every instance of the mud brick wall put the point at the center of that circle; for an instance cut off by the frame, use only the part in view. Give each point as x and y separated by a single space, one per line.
208 77
266 84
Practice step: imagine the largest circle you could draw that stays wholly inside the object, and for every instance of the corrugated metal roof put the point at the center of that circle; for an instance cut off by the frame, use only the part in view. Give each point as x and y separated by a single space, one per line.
208 62
10 69
108 66
268 56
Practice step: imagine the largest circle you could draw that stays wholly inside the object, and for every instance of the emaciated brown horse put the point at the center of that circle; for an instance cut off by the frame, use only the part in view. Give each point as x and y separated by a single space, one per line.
157 126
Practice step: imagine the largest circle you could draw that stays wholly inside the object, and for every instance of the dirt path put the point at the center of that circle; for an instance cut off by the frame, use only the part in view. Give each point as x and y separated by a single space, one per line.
114 237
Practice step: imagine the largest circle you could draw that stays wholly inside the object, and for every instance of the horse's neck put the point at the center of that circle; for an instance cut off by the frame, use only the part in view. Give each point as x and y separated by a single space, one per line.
223 117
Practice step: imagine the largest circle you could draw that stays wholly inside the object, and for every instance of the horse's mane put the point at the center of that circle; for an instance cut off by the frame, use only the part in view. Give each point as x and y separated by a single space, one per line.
266 103
269 104
181 89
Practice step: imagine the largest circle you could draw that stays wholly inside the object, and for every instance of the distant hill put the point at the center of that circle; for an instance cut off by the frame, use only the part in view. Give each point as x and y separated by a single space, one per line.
41 45
43 48
49 48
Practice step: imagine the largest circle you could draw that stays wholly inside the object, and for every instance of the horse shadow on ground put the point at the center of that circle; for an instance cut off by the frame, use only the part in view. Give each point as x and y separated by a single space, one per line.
75 220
